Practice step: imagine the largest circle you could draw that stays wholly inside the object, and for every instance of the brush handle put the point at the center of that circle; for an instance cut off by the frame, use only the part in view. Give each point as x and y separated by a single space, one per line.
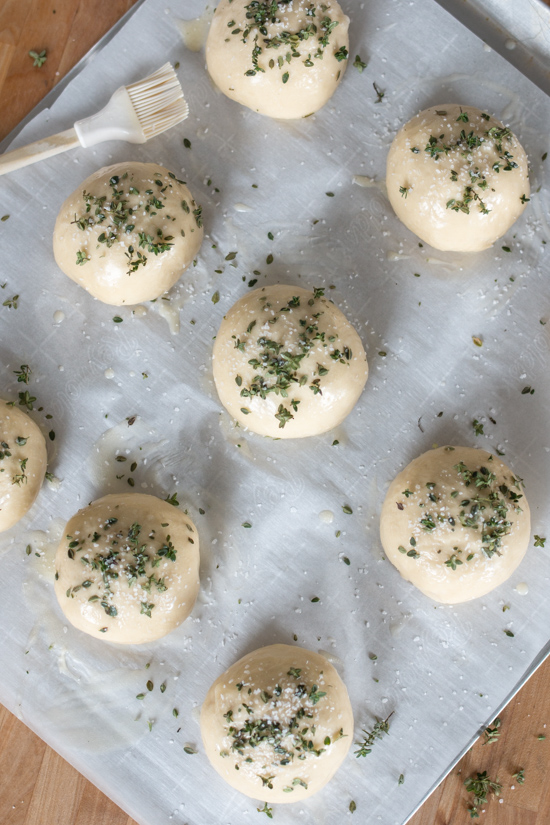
38 150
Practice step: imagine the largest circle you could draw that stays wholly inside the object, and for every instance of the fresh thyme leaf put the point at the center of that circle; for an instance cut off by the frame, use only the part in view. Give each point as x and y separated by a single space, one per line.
492 734
23 374
478 427
38 58
481 785
381 728
540 541
347 510
379 92
81 258
359 65
352 807
509 633
215 297
520 776
266 810
187 143
477 341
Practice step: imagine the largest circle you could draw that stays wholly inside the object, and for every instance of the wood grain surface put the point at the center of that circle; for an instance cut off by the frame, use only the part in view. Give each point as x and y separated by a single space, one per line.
37 787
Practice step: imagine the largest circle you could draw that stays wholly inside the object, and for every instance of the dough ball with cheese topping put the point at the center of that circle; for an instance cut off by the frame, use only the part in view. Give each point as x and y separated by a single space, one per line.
278 724
282 59
455 523
23 463
457 177
287 363
127 568
128 232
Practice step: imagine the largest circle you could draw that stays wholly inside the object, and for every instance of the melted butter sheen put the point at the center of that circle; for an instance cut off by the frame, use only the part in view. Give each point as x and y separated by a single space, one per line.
287 363
23 462
456 178
455 523
296 694
128 568
142 257
257 73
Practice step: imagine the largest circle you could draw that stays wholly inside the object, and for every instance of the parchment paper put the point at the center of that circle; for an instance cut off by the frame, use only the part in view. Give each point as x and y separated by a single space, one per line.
442 670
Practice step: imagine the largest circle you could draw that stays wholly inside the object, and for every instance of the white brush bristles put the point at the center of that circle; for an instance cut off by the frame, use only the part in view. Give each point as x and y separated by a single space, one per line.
158 101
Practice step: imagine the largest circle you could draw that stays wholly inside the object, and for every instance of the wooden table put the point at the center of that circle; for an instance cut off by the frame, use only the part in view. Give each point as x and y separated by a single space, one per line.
37 787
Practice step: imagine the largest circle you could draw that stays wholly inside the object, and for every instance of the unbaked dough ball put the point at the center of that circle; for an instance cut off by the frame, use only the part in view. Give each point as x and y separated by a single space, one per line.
128 232
287 363
285 62
23 463
457 177
127 569
278 724
455 523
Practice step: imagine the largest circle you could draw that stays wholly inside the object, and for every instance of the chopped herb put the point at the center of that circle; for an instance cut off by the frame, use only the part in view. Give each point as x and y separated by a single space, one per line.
38 58
81 258
269 259
4 218
401 779
540 541
477 341
481 786
478 428
352 807
246 524
215 297
266 810
403 191
358 63
492 734
527 391
187 143
347 510
315 599
23 374
380 728
117 319
379 92
341 54
520 776
509 633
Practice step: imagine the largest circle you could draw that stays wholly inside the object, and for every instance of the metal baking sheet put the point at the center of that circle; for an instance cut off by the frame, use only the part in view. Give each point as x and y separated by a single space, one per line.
444 671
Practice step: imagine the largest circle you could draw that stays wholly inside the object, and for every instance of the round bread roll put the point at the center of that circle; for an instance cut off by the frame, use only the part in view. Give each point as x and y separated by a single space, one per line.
282 59
278 724
127 569
455 523
23 462
128 232
287 363
457 177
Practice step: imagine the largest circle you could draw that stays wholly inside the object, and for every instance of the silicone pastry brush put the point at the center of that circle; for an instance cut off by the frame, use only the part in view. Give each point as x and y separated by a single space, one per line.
134 113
